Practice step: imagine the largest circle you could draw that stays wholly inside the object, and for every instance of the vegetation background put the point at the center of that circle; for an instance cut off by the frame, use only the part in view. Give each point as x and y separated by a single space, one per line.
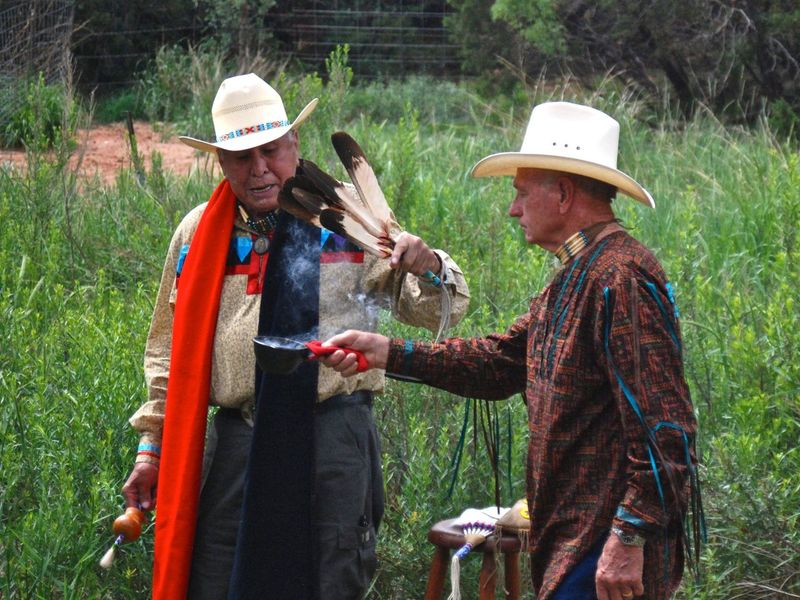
81 263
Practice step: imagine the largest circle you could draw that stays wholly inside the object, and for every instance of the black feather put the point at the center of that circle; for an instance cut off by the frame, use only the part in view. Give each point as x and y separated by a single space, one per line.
312 202
345 225
288 203
324 184
334 193
363 177
347 148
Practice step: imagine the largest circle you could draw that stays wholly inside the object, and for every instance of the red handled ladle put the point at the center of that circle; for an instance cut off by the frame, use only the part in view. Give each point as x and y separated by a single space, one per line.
283 355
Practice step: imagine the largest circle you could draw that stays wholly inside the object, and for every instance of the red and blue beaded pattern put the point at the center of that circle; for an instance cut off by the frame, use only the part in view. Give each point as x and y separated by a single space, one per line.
252 129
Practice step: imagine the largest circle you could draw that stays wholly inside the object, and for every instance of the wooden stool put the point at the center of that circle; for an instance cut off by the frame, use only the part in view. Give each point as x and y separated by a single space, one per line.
446 537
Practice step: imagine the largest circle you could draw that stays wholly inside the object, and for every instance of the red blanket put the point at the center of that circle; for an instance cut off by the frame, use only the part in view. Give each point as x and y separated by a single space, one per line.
183 440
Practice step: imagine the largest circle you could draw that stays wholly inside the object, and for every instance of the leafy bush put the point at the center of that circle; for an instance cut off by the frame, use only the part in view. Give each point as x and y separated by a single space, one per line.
726 56
225 21
115 108
167 88
42 115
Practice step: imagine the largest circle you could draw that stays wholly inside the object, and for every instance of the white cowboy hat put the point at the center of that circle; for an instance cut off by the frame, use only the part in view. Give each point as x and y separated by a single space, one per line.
572 138
247 113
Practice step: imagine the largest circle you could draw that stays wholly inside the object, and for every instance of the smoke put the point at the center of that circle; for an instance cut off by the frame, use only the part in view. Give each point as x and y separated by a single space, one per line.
368 303
298 306
303 264
354 309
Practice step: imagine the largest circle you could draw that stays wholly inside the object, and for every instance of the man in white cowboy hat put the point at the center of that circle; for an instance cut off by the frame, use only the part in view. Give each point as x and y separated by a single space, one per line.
598 356
290 496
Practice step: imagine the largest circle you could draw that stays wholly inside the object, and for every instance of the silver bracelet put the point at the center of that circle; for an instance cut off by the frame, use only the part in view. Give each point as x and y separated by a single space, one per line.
628 539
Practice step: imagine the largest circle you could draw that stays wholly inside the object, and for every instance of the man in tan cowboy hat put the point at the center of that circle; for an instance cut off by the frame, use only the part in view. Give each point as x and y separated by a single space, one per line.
287 497
598 356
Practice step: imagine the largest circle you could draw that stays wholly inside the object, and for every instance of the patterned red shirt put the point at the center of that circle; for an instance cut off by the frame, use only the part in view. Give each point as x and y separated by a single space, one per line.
599 359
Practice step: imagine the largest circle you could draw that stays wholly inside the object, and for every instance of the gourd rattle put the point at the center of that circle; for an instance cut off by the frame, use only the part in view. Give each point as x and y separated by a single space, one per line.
128 528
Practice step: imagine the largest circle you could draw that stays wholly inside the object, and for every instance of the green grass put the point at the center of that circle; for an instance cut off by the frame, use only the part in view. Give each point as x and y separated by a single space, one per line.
81 264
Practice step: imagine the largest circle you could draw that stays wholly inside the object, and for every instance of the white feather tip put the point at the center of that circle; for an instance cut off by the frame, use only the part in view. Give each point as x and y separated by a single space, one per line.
108 557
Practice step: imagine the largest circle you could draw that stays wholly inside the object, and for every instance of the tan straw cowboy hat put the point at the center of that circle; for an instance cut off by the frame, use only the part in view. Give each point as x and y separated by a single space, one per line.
247 113
571 138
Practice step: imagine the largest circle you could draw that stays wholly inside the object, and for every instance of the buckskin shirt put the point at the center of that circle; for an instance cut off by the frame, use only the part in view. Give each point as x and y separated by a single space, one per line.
354 284
599 347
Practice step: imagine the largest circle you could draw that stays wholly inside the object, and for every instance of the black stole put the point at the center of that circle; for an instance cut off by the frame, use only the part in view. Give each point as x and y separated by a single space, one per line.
275 550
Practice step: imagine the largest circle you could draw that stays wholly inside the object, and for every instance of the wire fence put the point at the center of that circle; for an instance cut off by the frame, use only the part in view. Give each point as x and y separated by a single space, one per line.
381 42
34 40
400 41
36 36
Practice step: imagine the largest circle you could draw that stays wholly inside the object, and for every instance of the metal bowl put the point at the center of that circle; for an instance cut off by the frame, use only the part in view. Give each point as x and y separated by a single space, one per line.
279 355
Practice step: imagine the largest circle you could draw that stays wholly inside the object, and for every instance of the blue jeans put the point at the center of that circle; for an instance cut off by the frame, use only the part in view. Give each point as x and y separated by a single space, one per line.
579 582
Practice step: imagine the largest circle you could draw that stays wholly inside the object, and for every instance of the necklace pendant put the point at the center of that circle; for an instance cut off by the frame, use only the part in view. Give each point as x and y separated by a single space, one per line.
261 245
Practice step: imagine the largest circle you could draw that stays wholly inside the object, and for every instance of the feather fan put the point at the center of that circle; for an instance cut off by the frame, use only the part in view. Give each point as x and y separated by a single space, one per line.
364 218
316 197
477 525
339 196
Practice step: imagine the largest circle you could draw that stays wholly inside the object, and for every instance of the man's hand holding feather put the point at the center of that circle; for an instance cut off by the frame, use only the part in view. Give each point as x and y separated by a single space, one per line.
413 255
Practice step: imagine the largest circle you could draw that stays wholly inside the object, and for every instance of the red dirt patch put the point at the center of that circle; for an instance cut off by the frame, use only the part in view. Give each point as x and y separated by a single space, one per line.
104 150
